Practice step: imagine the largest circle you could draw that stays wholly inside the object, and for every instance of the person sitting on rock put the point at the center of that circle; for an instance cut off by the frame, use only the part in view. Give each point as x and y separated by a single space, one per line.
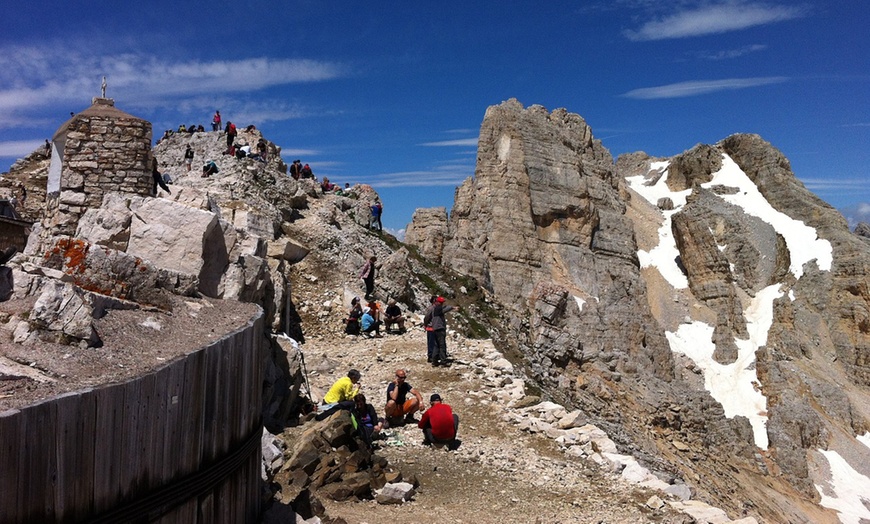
306 172
369 324
393 316
209 169
398 403
340 395
353 316
369 424
344 389
439 423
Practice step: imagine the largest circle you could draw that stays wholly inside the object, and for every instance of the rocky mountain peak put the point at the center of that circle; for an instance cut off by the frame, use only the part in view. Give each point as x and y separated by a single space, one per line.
712 281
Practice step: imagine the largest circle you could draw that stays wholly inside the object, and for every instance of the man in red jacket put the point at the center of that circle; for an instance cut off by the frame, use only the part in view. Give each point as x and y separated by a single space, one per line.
439 424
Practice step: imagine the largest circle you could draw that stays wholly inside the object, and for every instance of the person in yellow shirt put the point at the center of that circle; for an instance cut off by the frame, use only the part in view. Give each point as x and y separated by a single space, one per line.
344 389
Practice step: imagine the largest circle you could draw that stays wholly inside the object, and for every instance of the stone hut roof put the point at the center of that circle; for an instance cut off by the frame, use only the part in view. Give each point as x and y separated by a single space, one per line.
104 107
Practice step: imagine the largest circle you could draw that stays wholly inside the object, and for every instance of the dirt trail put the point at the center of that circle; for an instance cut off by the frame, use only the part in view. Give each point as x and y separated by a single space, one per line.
499 472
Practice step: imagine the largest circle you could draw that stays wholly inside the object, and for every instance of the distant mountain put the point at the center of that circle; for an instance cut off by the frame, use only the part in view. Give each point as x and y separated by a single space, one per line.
707 310
856 213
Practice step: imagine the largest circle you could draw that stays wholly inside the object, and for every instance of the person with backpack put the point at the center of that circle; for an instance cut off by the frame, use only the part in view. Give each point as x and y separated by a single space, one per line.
231 137
377 211
188 156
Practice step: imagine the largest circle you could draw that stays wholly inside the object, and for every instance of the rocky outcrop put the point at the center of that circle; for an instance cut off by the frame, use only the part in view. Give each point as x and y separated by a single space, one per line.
427 231
329 458
605 271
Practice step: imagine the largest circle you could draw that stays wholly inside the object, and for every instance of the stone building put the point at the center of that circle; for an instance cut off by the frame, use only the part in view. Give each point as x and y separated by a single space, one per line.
99 150
13 229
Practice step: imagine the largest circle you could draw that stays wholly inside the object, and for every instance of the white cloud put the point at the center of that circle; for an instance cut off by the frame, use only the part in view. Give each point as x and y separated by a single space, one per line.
19 148
67 76
714 19
420 178
701 87
457 142
731 53
398 233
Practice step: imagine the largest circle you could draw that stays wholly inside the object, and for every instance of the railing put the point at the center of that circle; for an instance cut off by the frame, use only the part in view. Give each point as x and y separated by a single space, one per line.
178 445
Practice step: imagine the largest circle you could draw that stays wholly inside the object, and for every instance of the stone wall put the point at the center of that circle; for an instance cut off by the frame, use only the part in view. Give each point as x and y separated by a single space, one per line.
102 153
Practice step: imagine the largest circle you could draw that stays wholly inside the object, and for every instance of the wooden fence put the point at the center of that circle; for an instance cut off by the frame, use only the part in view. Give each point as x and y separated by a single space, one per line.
178 445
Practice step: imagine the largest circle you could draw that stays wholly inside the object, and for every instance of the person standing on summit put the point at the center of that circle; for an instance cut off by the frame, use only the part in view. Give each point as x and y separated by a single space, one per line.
231 135
375 219
216 121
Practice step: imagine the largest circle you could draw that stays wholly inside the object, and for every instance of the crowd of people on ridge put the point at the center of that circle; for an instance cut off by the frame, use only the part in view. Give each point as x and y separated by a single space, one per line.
439 424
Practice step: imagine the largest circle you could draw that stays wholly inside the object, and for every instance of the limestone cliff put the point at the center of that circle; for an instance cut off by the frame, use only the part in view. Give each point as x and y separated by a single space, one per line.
707 309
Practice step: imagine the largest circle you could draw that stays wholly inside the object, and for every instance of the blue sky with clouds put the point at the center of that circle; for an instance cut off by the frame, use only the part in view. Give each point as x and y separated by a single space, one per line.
393 93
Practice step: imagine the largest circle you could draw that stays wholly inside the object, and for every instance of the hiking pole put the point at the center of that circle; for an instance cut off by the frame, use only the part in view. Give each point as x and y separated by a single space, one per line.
305 375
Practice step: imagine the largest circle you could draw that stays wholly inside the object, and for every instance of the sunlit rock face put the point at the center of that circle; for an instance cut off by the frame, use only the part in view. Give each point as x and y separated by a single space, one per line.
708 300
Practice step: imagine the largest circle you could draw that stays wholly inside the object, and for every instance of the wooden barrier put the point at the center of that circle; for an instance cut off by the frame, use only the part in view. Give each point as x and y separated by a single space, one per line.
180 444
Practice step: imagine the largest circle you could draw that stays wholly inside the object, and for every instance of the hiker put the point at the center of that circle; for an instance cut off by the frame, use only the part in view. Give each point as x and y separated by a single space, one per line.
157 178
209 169
261 151
182 129
344 389
439 328
377 211
367 419
376 309
306 172
47 148
393 315
188 156
398 403
340 395
296 169
369 323
431 344
216 121
367 274
326 186
231 137
439 423
353 317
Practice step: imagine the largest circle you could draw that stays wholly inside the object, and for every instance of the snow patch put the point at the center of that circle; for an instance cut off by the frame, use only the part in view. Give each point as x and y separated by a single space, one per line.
802 241
734 385
851 490
664 255
580 302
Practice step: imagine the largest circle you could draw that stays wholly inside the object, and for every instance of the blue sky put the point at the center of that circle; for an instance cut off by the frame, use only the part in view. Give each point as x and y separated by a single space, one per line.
393 93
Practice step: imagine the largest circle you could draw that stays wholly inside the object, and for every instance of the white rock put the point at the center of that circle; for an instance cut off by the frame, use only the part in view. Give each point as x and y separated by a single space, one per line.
172 235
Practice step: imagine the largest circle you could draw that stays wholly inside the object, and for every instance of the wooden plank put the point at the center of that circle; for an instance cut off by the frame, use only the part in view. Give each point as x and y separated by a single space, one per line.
38 471
129 465
224 432
109 437
193 408
157 383
12 434
75 414
206 513
174 435
212 400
